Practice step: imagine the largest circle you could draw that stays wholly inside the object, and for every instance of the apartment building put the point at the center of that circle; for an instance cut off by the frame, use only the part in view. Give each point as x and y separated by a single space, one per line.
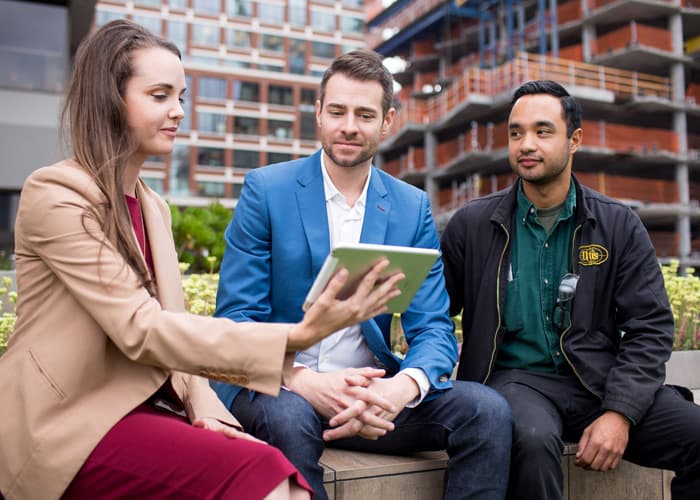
37 42
633 65
253 70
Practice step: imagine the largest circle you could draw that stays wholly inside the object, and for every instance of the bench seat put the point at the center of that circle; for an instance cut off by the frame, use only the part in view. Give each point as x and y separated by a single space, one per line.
351 475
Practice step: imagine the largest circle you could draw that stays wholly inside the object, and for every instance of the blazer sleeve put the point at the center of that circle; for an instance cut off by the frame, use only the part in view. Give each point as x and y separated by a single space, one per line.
426 323
60 227
244 277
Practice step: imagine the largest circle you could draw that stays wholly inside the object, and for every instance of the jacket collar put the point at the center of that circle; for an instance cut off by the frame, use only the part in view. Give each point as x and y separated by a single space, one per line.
311 202
506 206
162 249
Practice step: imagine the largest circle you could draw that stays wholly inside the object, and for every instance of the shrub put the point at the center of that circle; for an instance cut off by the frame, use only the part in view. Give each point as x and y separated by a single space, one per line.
684 296
199 233
200 298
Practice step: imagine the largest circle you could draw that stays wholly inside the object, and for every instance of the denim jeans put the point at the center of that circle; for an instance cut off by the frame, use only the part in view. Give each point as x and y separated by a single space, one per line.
549 409
472 422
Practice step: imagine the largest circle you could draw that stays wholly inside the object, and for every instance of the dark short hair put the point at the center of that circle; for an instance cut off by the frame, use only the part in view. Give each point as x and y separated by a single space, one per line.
364 65
570 108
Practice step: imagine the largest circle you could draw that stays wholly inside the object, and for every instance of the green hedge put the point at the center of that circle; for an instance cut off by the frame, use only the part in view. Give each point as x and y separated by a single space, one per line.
200 298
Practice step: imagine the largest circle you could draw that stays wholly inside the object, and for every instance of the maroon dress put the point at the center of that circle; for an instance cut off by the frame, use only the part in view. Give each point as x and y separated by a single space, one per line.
154 452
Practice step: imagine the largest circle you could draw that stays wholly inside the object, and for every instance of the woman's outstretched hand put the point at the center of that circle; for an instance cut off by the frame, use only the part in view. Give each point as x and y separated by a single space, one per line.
329 314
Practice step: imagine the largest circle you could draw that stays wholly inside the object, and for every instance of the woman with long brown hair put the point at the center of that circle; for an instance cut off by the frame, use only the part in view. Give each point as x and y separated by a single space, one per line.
103 380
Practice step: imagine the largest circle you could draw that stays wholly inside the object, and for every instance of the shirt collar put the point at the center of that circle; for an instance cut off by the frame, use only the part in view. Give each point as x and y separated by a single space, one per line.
526 209
331 192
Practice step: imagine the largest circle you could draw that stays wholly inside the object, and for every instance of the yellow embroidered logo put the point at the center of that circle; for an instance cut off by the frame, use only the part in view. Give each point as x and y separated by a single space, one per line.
592 255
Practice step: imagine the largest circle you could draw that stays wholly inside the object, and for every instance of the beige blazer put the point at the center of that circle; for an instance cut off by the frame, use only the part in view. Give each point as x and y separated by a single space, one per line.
90 344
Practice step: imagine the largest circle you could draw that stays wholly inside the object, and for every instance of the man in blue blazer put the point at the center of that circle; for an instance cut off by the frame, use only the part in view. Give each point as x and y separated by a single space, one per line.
351 391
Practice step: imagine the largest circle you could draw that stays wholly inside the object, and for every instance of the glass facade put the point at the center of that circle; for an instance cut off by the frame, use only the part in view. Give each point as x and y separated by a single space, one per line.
33 59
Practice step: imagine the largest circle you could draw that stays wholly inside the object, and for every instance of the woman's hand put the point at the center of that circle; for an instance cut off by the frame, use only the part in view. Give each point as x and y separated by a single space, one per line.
329 314
215 425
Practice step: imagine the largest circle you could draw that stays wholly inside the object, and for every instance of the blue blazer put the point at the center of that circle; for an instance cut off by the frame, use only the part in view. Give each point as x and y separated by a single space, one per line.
278 239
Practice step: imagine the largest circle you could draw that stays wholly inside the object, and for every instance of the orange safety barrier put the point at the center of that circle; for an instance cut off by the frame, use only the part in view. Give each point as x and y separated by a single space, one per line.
633 34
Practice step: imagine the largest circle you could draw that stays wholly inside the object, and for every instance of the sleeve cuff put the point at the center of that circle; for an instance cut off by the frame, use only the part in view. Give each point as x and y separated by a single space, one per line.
423 384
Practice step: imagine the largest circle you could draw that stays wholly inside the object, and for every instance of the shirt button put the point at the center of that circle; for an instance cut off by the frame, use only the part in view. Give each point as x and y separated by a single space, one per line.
546 281
557 354
547 317
546 245
532 210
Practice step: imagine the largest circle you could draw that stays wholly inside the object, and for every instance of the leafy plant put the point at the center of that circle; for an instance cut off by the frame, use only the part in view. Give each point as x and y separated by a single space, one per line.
684 296
8 298
200 298
199 233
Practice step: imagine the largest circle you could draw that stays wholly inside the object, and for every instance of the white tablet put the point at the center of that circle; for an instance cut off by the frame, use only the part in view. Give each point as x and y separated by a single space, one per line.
358 258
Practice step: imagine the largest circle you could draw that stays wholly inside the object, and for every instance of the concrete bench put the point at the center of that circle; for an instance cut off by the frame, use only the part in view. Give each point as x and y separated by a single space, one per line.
361 476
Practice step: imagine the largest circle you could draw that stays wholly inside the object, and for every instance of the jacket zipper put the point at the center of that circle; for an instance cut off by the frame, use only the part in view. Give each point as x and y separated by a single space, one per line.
561 338
498 303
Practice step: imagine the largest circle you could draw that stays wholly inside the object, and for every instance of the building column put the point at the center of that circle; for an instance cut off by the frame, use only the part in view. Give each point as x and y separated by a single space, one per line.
430 183
680 127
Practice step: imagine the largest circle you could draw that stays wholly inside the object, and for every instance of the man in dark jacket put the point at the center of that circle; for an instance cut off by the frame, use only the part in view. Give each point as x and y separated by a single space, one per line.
565 313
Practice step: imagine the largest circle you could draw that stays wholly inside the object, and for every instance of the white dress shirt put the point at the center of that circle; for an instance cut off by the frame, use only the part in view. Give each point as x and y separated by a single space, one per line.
347 348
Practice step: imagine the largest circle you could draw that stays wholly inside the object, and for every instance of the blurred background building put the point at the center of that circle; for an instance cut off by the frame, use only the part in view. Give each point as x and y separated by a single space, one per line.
254 66
37 42
633 65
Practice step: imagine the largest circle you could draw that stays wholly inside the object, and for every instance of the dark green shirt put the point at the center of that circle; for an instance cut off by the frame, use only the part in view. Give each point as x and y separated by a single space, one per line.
540 256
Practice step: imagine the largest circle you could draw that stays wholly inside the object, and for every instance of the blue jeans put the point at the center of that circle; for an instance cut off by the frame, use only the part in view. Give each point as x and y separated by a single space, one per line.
549 409
472 422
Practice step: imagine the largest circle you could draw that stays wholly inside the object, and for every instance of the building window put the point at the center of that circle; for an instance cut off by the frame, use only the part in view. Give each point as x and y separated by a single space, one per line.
180 170
280 129
322 49
242 158
323 21
36 58
238 39
297 57
210 157
211 7
239 8
212 88
271 67
212 123
148 3
177 33
211 189
280 95
272 43
205 34
186 122
232 63
297 12
178 4
307 126
352 25
155 183
246 125
308 98
246 91
271 13
151 23
356 4
278 157
102 17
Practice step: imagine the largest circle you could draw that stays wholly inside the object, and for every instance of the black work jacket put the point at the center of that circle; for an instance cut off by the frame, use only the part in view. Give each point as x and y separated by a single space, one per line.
621 330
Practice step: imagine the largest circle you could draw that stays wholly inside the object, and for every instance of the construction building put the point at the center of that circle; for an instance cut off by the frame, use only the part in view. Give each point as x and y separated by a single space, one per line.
632 64
253 70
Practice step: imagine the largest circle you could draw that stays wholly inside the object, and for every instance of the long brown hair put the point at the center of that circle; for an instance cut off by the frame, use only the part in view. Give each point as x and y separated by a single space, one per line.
95 113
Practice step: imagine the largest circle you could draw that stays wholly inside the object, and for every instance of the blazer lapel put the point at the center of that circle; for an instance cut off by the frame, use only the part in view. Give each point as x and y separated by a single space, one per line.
377 210
312 210
165 262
